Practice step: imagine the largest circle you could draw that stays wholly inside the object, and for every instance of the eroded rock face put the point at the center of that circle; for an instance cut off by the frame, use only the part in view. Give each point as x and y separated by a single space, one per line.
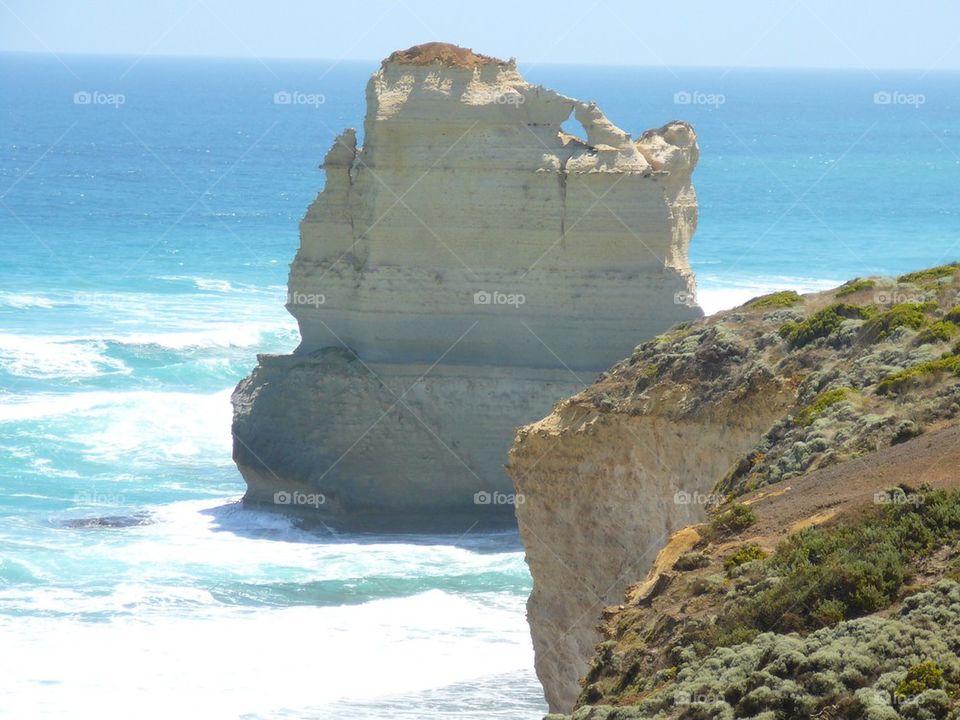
601 493
478 264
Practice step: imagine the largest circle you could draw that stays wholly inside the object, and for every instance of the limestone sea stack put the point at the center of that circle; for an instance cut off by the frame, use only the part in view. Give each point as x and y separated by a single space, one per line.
466 267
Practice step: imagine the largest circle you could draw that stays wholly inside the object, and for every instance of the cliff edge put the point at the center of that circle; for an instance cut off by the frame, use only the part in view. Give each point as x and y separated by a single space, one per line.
457 274
739 401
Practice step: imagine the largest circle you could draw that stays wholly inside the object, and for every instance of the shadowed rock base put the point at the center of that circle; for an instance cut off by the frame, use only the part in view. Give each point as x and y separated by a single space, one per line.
385 446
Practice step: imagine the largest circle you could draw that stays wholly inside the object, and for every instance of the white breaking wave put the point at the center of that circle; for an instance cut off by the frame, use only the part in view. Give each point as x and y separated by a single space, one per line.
64 356
165 643
255 662
200 283
45 358
135 426
716 294
20 301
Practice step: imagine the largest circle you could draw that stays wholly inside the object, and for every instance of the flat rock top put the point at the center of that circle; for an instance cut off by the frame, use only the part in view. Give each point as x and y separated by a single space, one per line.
446 53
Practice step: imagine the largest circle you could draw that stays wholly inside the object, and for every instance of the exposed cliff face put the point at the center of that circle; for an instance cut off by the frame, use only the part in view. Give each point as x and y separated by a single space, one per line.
473 259
728 404
724 607
600 489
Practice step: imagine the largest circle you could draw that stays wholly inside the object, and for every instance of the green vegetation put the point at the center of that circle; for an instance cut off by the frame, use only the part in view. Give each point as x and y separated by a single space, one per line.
824 400
930 274
734 519
646 376
853 670
745 554
785 298
912 315
953 315
822 323
846 571
856 286
927 675
902 378
940 331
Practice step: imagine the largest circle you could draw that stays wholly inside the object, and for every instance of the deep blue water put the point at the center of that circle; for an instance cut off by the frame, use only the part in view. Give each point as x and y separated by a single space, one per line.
146 246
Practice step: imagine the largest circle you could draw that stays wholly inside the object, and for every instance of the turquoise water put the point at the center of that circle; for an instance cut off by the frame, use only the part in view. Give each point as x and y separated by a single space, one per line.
146 249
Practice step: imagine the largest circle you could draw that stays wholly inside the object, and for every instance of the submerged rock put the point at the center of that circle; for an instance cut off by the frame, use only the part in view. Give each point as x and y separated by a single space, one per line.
466 267
110 521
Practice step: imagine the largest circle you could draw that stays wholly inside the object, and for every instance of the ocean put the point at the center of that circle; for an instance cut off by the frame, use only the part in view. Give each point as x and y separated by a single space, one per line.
148 212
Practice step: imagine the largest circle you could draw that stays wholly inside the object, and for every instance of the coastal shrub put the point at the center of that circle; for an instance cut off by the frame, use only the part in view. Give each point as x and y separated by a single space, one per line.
645 377
743 555
825 575
822 323
927 675
701 585
930 274
900 379
953 315
824 400
851 670
829 612
906 430
940 331
734 519
856 286
691 561
911 315
785 298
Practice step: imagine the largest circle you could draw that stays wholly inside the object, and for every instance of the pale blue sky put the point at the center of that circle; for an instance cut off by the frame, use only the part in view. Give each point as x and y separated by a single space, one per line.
921 34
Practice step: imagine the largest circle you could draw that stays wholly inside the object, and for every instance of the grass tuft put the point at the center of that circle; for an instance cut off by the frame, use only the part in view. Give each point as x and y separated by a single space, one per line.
855 286
824 400
785 298
930 274
908 376
822 323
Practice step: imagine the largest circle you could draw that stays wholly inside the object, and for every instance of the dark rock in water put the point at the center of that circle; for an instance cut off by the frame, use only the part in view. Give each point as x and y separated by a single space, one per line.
110 521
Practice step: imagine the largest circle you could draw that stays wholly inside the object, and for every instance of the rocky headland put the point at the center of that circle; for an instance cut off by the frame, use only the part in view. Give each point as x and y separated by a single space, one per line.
710 455
461 271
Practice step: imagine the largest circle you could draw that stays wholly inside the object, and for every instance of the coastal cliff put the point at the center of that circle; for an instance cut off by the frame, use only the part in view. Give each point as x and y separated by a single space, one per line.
748 398
458 272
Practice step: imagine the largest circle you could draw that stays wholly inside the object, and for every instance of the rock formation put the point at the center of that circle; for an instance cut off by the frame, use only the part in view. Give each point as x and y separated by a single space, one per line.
460 272
718 407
